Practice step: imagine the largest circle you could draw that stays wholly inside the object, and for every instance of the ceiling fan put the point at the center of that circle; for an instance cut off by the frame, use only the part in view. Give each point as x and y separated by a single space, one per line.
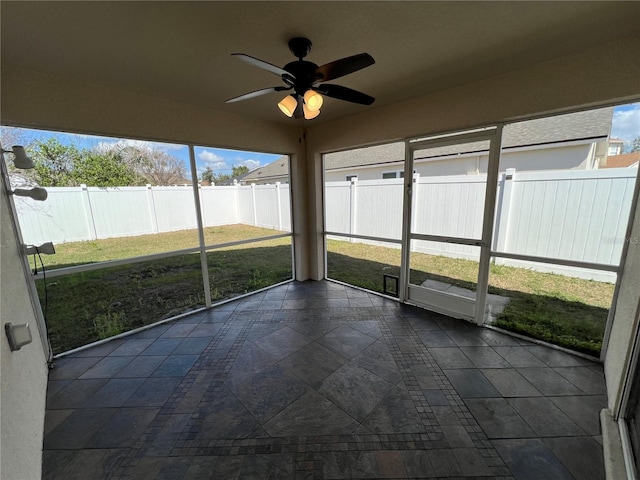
306 80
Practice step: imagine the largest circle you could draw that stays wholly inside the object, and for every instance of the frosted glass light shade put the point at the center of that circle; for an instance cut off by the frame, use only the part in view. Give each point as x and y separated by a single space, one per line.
313 100
309 114
288 105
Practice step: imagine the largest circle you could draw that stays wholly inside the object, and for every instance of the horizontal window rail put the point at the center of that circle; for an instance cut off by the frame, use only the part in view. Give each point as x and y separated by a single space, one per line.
58 272
557 261
438 238
365 237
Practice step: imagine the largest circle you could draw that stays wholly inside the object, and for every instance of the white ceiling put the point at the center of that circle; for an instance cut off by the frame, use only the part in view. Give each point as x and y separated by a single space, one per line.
181 50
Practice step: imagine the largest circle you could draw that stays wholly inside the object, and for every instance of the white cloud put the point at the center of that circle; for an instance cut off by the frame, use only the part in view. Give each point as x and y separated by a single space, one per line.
626 123
250 163
213 160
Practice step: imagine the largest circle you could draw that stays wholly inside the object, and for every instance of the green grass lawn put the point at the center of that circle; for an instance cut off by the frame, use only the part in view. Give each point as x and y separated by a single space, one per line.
88 306
85 307
566 311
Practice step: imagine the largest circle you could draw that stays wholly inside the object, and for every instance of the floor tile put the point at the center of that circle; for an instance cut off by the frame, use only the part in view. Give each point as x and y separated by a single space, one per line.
313 414
519 356
76 393
192 346
281 343
396 413
485 357
355 390
250 360
450 358
114 393
435 338
71 368
141 366
175 366
470 383
154 392
162 346
132 347
123 428
76 430
346 341
269 392
314 363
466 338
548 382
106 368
94 463
556 358
498 419
584 410
545 419
585 379
510 383
582 456
530 459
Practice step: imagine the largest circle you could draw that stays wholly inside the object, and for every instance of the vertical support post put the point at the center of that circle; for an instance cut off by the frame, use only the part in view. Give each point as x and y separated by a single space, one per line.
279 206
353 198
203 249
487 224
408 182
238 216
88 212
151 204
415 203
253 202
501 234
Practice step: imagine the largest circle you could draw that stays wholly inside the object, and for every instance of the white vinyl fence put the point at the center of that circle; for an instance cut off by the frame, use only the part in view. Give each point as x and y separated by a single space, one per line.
571 215
88 213
574 215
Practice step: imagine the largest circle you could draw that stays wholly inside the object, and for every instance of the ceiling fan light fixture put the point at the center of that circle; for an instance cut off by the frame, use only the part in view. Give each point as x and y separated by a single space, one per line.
288 105
313 100
308 113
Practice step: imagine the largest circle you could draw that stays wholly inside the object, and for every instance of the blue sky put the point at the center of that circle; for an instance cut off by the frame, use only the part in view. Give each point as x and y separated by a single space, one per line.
625 126
219 159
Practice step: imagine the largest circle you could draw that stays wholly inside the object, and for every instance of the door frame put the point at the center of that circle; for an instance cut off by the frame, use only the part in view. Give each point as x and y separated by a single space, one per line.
421 296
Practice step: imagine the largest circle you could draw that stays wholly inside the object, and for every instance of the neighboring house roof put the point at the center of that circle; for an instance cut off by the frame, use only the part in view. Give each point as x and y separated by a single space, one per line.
592 124
616 140
588 125
273 171
233 180
622 161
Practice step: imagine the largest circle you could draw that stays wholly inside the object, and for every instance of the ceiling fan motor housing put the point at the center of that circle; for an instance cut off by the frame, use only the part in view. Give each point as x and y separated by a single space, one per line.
304 74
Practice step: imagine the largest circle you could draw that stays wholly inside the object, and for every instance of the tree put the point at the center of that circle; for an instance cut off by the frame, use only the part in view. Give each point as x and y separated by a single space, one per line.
239 170
106 169
155 165
54 163
635 145
208 175
58 165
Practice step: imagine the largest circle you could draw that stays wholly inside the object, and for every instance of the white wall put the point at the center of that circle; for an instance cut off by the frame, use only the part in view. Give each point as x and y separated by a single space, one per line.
565 157
23 374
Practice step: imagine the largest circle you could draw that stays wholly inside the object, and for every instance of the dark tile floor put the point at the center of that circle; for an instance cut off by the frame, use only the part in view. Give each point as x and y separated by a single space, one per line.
318 380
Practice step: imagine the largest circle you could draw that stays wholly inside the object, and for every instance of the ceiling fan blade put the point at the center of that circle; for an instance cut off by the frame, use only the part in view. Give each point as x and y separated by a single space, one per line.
257 93
343 67
256 62
344 93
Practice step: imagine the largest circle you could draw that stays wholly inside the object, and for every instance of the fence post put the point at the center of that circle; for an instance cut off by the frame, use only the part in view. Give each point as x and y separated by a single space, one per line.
414 207
278 206
152 209
253 199
352 207
501 232
88 212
